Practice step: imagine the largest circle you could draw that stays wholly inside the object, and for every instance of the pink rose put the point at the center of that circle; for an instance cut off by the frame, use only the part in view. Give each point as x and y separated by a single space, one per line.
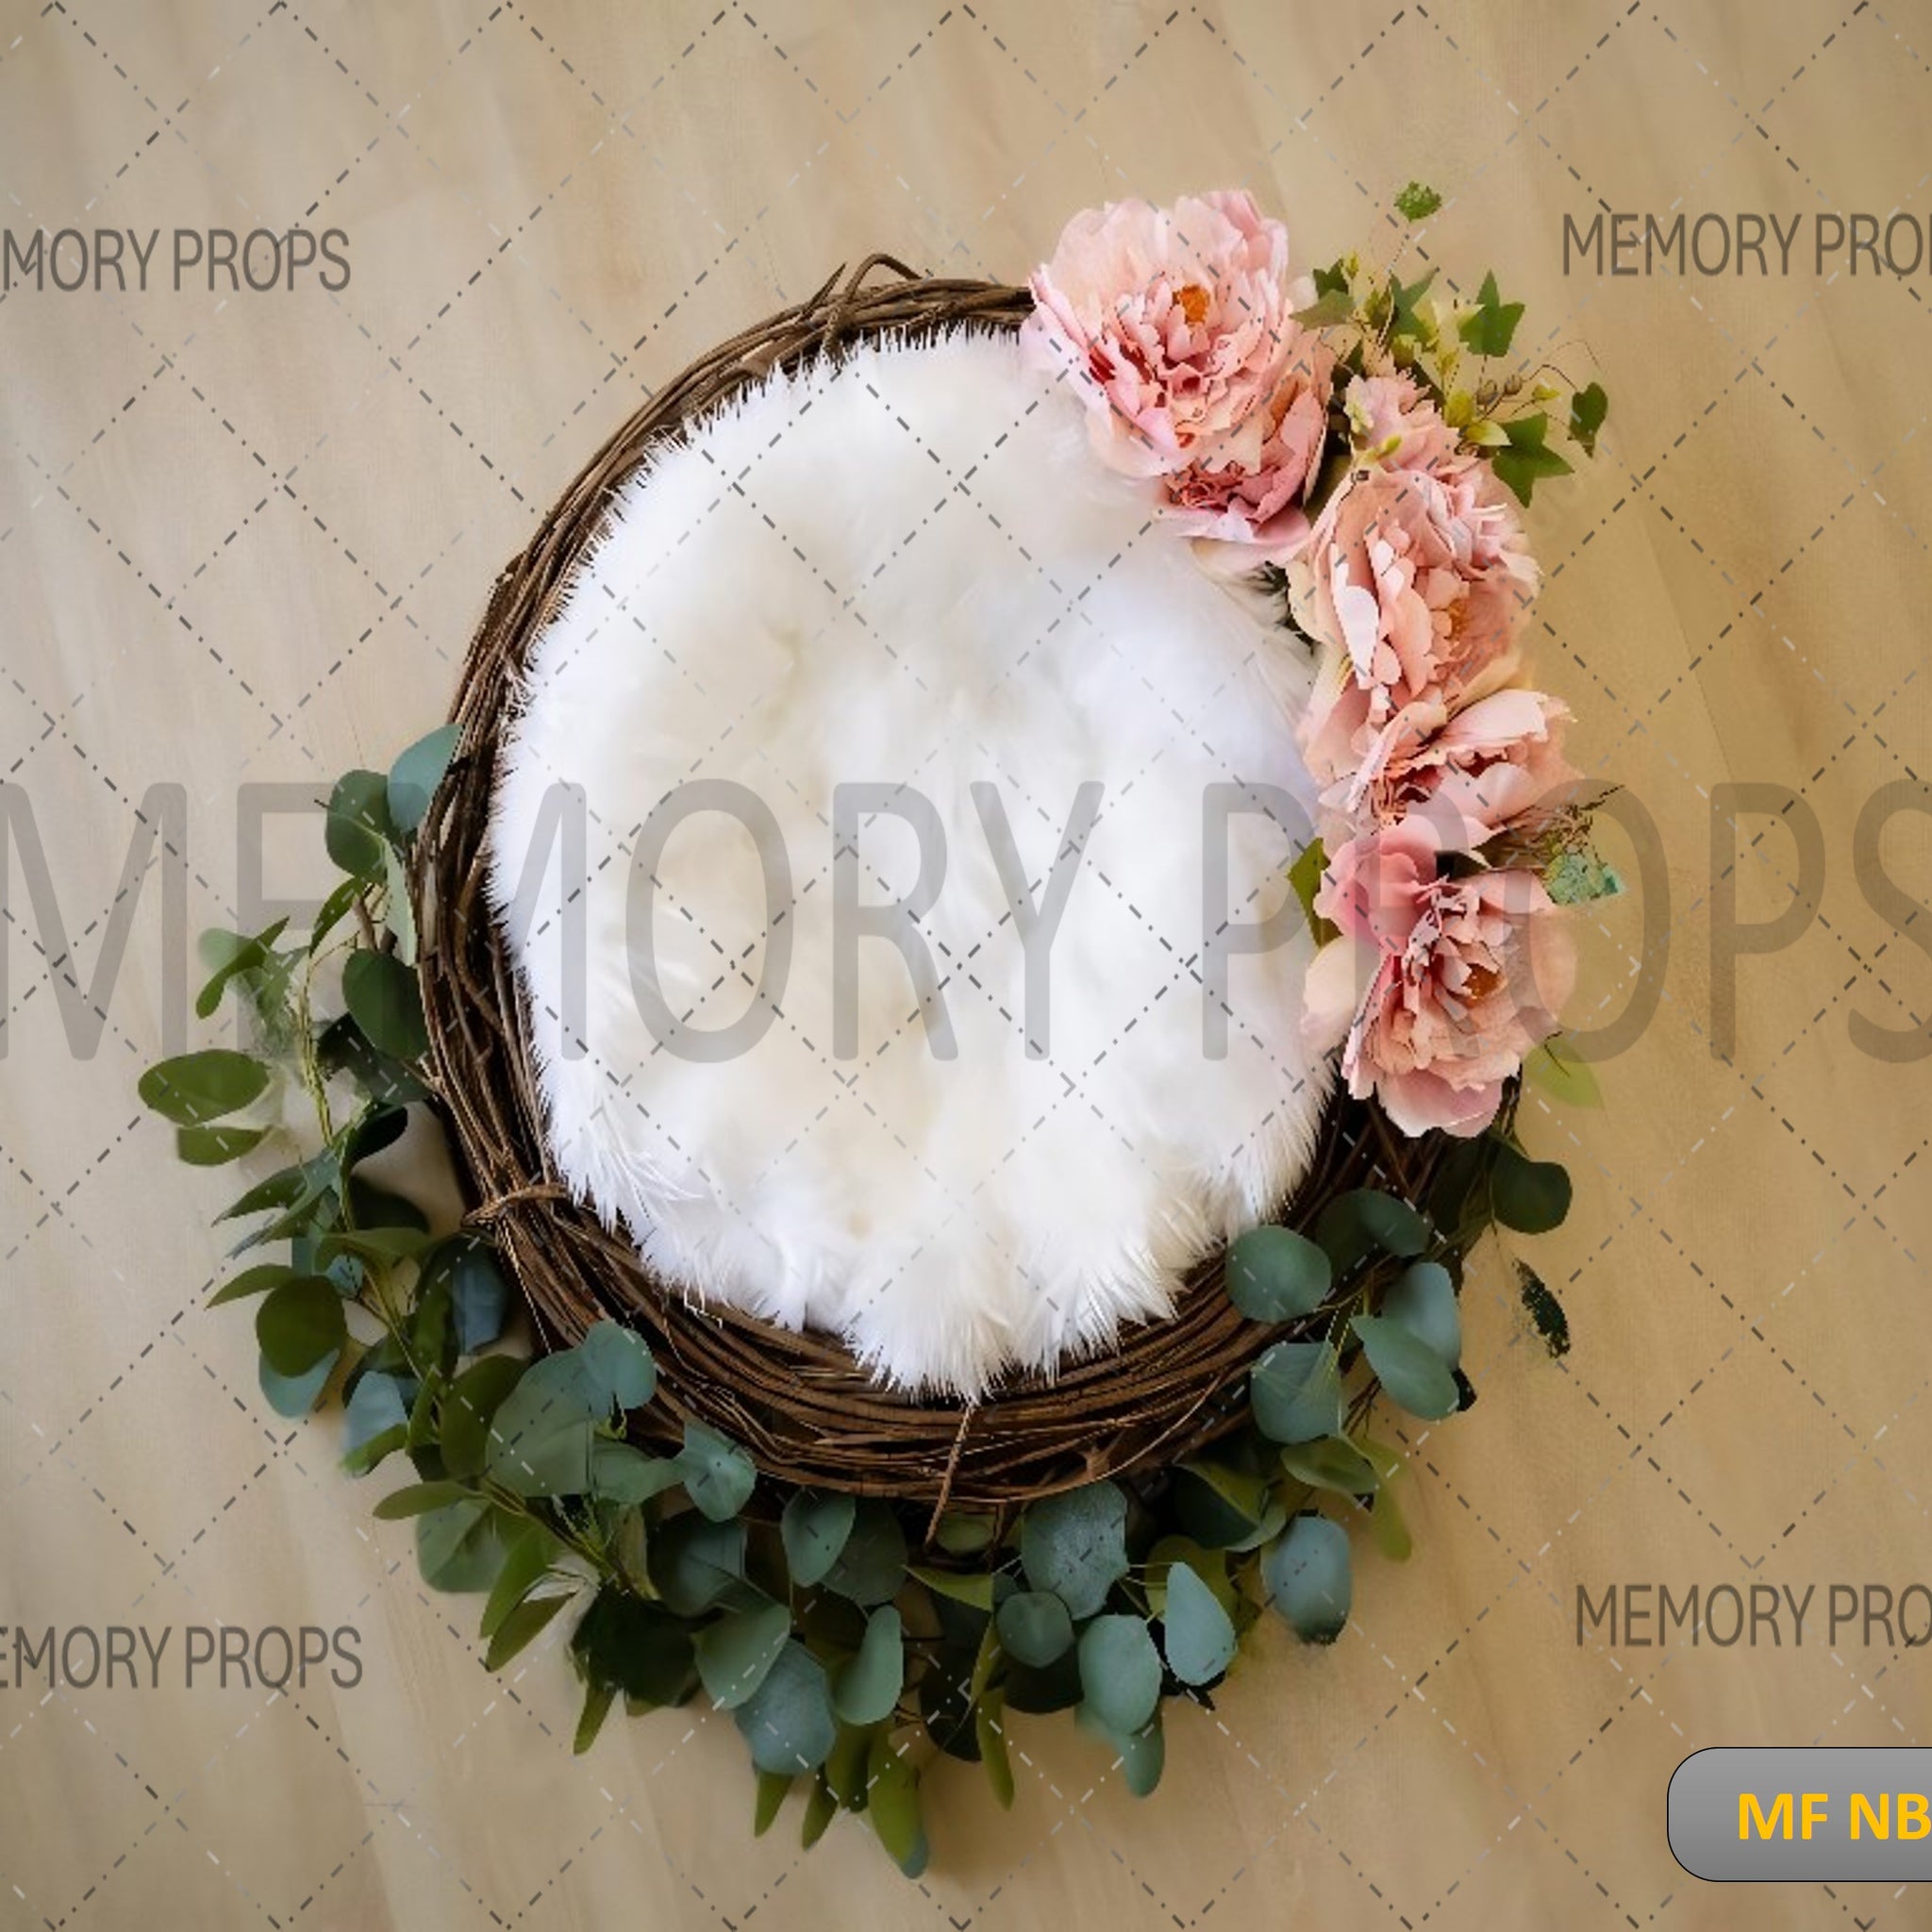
1418 579
1394 420
1440 984
1488 766
1174 323
1257 508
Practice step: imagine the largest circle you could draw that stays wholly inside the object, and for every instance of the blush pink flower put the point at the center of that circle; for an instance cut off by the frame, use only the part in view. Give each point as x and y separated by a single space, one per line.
1416 580
1175 325
1255 510
1393 419
1440 984
1491 764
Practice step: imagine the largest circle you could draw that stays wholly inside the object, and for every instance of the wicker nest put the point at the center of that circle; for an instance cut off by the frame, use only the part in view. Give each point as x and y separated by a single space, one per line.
800 1403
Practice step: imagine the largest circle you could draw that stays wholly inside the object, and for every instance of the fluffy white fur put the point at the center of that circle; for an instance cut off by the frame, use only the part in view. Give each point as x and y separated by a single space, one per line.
914 570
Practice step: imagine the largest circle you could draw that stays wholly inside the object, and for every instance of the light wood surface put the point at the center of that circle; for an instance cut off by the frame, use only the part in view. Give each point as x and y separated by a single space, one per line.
243 541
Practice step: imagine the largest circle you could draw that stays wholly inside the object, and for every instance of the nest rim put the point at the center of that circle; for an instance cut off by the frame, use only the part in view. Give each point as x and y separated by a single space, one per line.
808 1412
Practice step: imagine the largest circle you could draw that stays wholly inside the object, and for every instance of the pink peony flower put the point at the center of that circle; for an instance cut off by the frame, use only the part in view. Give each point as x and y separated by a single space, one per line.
1176 325
1417 580
1440 984
1257 508
1394 420
1491 764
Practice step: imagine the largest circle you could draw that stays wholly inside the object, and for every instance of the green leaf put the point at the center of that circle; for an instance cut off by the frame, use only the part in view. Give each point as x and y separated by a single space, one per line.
1545 1311
333 910
990 1726
1308 1578
966 1532
1211 1566
358 826
1332 306
814 1527
415 1499
468 1410
696 1563
1333 1463
295 1396
461 1547
1295 1392
638 1648
772 1788
216 1146
866 1691
386 1004
386 1245
735 1653
398 907
1525 460
1274 1274
415 775
1572 1082
717 1475
1387 1527
526 1564
1119 1671
521 1627
1422 1300
1197 1633
201 1087
1405 305
618 1363
845 1762
1587 408
1035 1626
893 1805
821 1807
1075 1544
478 1291
599 1698
788 1721
540 1437
251 1281
1409 1369
1354 1224
1305 877
620 1473
238 956
1222 1508
1417 202
375 1421
1531 1196
1141 1754
972 1589
298 1324
871 1565
1493 326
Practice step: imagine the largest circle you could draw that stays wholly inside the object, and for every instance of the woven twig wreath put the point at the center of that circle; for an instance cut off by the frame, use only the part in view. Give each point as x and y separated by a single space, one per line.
807 1411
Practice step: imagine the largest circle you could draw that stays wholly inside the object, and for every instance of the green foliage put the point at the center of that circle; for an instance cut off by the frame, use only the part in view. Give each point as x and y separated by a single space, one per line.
1523 459
848 1637
1491 327
1545 1311
1417 203
1588 409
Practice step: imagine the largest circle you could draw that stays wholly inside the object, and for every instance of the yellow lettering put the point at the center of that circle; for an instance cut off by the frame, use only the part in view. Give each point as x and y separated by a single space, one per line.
1814 1811
1913 1820
1880 1821
1750 1811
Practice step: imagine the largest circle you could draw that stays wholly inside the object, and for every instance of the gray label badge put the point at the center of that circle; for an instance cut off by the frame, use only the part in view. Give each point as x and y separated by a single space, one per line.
1829 1813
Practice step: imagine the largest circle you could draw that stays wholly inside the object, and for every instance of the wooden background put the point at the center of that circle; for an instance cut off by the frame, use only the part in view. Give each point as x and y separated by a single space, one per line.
243 540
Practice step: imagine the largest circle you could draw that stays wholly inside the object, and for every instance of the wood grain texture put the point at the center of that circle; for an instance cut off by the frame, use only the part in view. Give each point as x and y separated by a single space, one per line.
243 541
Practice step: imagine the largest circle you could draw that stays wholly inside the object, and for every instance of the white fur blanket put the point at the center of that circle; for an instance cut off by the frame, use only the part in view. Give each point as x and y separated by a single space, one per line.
911 571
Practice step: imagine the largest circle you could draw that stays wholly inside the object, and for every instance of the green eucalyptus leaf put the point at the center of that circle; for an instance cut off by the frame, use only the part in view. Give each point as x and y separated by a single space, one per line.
1295 1392
990 1722
1198 1634
975 1589
357 826
386 1004
417 1499
619 1364
1422 1300
542 1434
415 775
196 1088
1274 1274
893 1805
1075 1545
375 1421
866 1690
717 1475
814 1526
1531 1196
620 1473
1333 1463
735 1653
526 1564
1141 1754
251 1281
478 1291
966 1532
1411 1373
461 1547
468 1409
299 1324
871 1565
788 1721
638 1647
1035 1626
1308 1578
1119 1671
295 1396
521 1628
215 1146
1219 1507
1354 1224
697 1564
234 955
